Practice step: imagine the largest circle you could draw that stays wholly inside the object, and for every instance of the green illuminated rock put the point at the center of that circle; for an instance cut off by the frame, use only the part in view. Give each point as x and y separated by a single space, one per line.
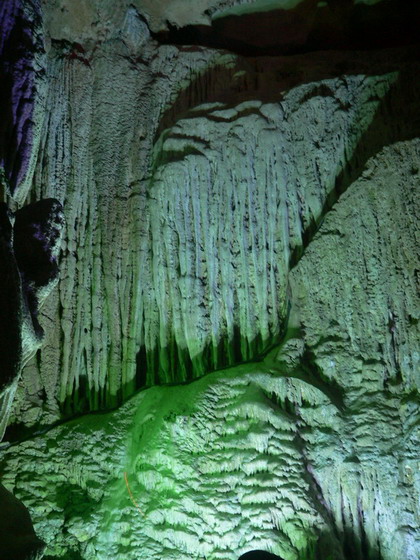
181 229
208 470
231 358
261 456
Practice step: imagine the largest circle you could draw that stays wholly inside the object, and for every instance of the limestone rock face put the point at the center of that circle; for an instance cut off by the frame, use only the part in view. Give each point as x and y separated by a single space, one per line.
21 68
242 245
30 245
29 249
359 322
311 452
188 194
210 470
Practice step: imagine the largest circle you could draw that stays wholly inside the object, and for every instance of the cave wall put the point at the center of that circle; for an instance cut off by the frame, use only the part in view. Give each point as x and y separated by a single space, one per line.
176 262
311 452
248 211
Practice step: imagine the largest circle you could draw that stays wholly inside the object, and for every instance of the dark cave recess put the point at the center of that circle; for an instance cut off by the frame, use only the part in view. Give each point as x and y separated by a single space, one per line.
259 555
309 26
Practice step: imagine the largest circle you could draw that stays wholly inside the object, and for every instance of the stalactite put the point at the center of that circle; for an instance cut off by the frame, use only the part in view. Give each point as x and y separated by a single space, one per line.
237 285
202 283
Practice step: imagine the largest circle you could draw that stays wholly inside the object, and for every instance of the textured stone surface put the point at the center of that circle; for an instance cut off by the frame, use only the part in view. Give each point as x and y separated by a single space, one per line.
221 210
29 249
30 241
310 453
214 469
359 318
160 282
19 42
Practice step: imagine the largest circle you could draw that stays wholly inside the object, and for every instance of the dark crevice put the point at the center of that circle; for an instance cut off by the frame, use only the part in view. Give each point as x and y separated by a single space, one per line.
10 303
315 489
310 26
399 124
314 375
37 230
172 156
18 432
173 365
268 79
259 555
307 371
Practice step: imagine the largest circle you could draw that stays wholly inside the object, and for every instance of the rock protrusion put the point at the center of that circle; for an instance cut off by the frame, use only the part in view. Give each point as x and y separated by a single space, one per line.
29 250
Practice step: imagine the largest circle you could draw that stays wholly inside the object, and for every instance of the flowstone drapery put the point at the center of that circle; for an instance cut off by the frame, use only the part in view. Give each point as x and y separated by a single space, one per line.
230 361
301 453
183 256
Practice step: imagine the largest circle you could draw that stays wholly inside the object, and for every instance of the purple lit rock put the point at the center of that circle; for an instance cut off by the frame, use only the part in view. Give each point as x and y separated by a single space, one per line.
16 91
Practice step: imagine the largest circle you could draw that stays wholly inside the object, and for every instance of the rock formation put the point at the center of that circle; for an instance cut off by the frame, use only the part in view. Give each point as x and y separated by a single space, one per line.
29 247
230 361
30 244
17 536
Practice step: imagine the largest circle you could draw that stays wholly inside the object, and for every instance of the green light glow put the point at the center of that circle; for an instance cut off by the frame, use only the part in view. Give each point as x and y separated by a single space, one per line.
257 6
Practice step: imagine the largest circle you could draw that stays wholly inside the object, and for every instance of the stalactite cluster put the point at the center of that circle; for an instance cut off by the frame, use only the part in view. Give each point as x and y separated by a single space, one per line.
227 363
184 258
